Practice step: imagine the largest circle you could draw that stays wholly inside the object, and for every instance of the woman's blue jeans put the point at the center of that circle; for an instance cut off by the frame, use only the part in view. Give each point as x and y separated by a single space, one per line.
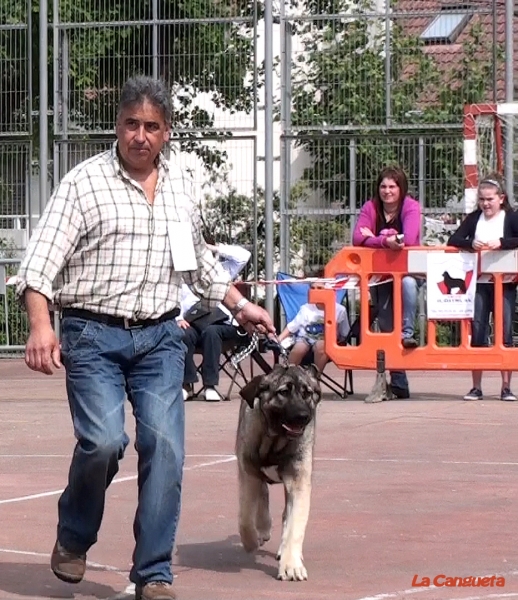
484 306
382 297
104 364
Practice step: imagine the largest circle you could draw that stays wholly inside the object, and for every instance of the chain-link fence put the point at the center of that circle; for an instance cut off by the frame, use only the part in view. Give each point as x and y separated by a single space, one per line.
379 83
496 142
356 86
13 320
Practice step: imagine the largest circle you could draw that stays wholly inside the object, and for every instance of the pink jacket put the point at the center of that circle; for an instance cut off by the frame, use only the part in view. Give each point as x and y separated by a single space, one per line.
410 218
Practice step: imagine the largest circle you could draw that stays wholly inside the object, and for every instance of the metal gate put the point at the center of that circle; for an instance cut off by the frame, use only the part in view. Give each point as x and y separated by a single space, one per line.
369 83
62 65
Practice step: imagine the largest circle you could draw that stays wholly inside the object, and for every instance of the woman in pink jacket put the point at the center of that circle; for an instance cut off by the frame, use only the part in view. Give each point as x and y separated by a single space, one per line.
392 219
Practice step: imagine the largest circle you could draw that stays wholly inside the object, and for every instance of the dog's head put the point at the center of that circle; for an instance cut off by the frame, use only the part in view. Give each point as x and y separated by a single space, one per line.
287 397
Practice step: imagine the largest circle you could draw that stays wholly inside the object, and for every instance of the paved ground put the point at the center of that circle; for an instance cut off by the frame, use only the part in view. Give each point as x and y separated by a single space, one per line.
403 490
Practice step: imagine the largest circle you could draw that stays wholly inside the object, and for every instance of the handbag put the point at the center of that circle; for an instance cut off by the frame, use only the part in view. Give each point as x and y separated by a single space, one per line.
200 317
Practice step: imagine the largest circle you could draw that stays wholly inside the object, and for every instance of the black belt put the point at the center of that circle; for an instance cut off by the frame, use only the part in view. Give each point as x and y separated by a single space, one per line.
123 322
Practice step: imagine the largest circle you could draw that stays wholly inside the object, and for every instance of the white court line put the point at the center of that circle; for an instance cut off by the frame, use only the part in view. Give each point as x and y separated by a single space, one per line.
231 457
219 461
418 461
47 555
131 588
129 591
35 455
384 596
405 593
510 595
226 458
69 455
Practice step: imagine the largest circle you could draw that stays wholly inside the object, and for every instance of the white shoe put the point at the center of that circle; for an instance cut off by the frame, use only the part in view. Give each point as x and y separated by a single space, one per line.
212 395
188 392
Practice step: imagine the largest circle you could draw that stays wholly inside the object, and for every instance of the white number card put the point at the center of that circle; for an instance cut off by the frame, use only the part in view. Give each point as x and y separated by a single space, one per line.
182 246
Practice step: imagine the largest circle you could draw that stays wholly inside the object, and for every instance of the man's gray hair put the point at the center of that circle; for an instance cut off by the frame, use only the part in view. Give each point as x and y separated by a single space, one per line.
138 89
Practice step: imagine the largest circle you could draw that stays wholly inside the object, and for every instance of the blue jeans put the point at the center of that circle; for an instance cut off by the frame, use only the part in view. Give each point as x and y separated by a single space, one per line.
484 305
103 364
382 296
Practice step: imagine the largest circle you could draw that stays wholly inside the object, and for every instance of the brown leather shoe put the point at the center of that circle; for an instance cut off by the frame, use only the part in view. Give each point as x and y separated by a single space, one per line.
67 566
155 590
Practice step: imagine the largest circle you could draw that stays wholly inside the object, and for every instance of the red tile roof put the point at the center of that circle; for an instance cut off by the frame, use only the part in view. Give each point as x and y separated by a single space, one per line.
448 56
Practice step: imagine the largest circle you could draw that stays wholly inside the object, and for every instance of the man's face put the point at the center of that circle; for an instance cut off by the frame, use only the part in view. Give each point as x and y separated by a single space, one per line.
141 132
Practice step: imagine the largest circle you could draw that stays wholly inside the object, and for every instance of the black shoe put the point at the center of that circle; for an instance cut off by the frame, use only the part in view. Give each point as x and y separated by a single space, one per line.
507 395
409 343
474 394
399 392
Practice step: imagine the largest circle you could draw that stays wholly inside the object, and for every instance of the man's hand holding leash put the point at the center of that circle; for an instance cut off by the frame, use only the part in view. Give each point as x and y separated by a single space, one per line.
252 318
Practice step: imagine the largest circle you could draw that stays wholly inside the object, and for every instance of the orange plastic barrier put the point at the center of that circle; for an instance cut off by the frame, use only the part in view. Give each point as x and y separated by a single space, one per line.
364 262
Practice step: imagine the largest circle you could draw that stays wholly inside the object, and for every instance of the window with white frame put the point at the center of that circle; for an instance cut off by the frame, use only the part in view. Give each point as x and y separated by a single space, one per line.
446 26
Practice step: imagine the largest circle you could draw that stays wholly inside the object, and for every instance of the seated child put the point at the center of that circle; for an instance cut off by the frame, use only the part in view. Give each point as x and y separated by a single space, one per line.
307 329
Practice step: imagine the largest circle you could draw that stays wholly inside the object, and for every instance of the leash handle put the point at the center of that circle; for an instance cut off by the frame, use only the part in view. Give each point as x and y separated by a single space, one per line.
275 345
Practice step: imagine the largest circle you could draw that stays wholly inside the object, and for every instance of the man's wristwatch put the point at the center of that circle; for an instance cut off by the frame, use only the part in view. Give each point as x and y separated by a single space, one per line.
239 306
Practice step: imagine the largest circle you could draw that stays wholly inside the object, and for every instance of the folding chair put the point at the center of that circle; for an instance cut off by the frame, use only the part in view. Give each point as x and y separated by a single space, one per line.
237 376
292 296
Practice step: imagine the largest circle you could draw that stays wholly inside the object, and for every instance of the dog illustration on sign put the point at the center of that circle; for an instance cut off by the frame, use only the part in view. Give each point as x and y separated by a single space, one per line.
454 285
451 280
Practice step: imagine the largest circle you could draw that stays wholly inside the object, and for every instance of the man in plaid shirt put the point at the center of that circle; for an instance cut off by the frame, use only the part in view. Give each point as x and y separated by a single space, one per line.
117 239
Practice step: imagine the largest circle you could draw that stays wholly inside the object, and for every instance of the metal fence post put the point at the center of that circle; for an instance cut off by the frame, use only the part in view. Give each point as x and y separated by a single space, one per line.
43 108
286 141
154 41
388 66
268 149
509 97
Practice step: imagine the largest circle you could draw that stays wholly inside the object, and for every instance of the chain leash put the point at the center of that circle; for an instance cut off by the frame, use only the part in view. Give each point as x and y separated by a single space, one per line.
283 354
246 351
273 344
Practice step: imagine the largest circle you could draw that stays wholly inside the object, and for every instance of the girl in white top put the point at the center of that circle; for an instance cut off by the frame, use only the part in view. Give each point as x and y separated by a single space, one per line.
493 225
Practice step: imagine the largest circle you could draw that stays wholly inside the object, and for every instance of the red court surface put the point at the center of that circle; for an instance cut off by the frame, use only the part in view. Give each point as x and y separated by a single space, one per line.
424 487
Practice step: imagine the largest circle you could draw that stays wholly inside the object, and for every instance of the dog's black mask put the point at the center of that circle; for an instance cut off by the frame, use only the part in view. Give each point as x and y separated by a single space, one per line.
287 397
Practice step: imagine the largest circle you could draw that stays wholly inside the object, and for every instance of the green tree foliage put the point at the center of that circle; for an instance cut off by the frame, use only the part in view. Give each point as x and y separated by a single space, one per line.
195 56
339 92
13 319
233 218
339 79
237 219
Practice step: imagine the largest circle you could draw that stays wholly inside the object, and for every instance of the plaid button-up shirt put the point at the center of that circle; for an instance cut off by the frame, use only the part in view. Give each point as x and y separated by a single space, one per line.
101 246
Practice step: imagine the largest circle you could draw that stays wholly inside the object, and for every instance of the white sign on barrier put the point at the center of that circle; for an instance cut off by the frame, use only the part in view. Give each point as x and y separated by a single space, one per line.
451 280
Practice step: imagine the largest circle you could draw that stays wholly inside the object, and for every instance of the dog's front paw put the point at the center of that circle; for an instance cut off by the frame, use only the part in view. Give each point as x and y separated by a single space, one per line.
249 538
291 568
